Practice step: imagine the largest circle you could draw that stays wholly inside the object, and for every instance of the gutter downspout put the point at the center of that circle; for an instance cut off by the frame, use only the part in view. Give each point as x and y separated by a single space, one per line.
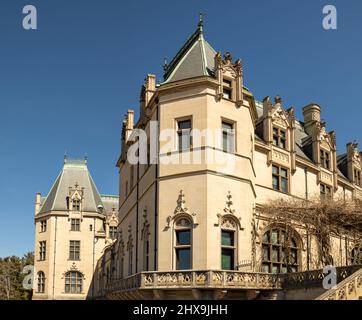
156 187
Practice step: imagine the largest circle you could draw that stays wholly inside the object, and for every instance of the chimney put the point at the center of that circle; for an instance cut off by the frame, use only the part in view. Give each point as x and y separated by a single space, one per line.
129 123
312 116
150 86
37 202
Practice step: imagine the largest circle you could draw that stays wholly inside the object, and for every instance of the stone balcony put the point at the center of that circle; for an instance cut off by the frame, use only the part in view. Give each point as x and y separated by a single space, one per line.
216 284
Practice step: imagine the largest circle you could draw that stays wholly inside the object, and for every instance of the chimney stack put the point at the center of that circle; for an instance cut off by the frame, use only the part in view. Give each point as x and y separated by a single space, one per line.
312 116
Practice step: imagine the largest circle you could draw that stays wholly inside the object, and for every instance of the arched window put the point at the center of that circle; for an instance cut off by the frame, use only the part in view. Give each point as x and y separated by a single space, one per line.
41 282
73 282
228 243
280 251
356 255
183 244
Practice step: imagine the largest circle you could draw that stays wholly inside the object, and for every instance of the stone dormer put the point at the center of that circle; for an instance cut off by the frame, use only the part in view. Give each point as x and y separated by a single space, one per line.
229 76
277 129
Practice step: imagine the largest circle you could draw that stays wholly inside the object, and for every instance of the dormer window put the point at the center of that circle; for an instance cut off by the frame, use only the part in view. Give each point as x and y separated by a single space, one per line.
279 138
113 232
76 205
325 159
227 89
357 177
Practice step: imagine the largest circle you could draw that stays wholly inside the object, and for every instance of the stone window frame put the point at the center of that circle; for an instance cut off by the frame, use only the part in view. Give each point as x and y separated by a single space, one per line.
278 136
71 284
183 223
280 178
74 250
41 282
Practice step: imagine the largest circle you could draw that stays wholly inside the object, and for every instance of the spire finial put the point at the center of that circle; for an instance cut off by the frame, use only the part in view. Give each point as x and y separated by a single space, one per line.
201 20
165 63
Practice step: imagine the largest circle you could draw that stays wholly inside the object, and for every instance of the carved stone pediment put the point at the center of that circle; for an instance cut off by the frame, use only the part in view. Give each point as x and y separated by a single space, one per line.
181 210
228 220
328 140
73 267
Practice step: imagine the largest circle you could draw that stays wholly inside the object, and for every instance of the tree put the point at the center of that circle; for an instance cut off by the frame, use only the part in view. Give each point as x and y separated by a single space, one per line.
11 277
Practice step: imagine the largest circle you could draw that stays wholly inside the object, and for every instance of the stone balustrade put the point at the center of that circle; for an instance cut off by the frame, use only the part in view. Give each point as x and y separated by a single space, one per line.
215 279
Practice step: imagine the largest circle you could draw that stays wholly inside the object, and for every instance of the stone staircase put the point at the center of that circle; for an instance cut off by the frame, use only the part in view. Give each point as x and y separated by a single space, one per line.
349 289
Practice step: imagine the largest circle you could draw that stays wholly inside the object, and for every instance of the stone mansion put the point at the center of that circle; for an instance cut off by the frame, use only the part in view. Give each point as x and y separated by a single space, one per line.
197 230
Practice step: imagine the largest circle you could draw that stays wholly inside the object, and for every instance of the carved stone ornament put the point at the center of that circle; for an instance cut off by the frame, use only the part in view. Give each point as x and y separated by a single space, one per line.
228 219
73 267
181 210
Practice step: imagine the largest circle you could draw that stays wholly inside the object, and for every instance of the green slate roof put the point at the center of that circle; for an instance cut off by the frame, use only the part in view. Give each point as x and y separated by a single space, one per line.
75 172
194 59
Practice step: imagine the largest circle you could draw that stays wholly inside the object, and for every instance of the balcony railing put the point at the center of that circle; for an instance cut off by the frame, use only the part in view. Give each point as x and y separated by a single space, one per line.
196 279
225 280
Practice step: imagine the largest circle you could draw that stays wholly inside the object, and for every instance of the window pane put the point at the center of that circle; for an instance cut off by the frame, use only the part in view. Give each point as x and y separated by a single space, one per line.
183 259
275 170
227 126
275 183
266 268
183 237
227 238
266 253
274 236
275 269
284 185
227 93
184 140
184 124
284 173
227 259
275 254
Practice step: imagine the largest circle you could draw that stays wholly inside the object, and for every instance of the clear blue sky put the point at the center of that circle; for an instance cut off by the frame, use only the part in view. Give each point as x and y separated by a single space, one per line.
66 86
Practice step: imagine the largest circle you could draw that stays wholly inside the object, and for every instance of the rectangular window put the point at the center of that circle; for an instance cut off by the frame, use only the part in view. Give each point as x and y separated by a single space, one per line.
42 250
43 226
325 159
113 232
76 204
228 137
183 249
74 250
75 224
279 138
357 177
227 89
326 191
227 250
184 135
280 179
